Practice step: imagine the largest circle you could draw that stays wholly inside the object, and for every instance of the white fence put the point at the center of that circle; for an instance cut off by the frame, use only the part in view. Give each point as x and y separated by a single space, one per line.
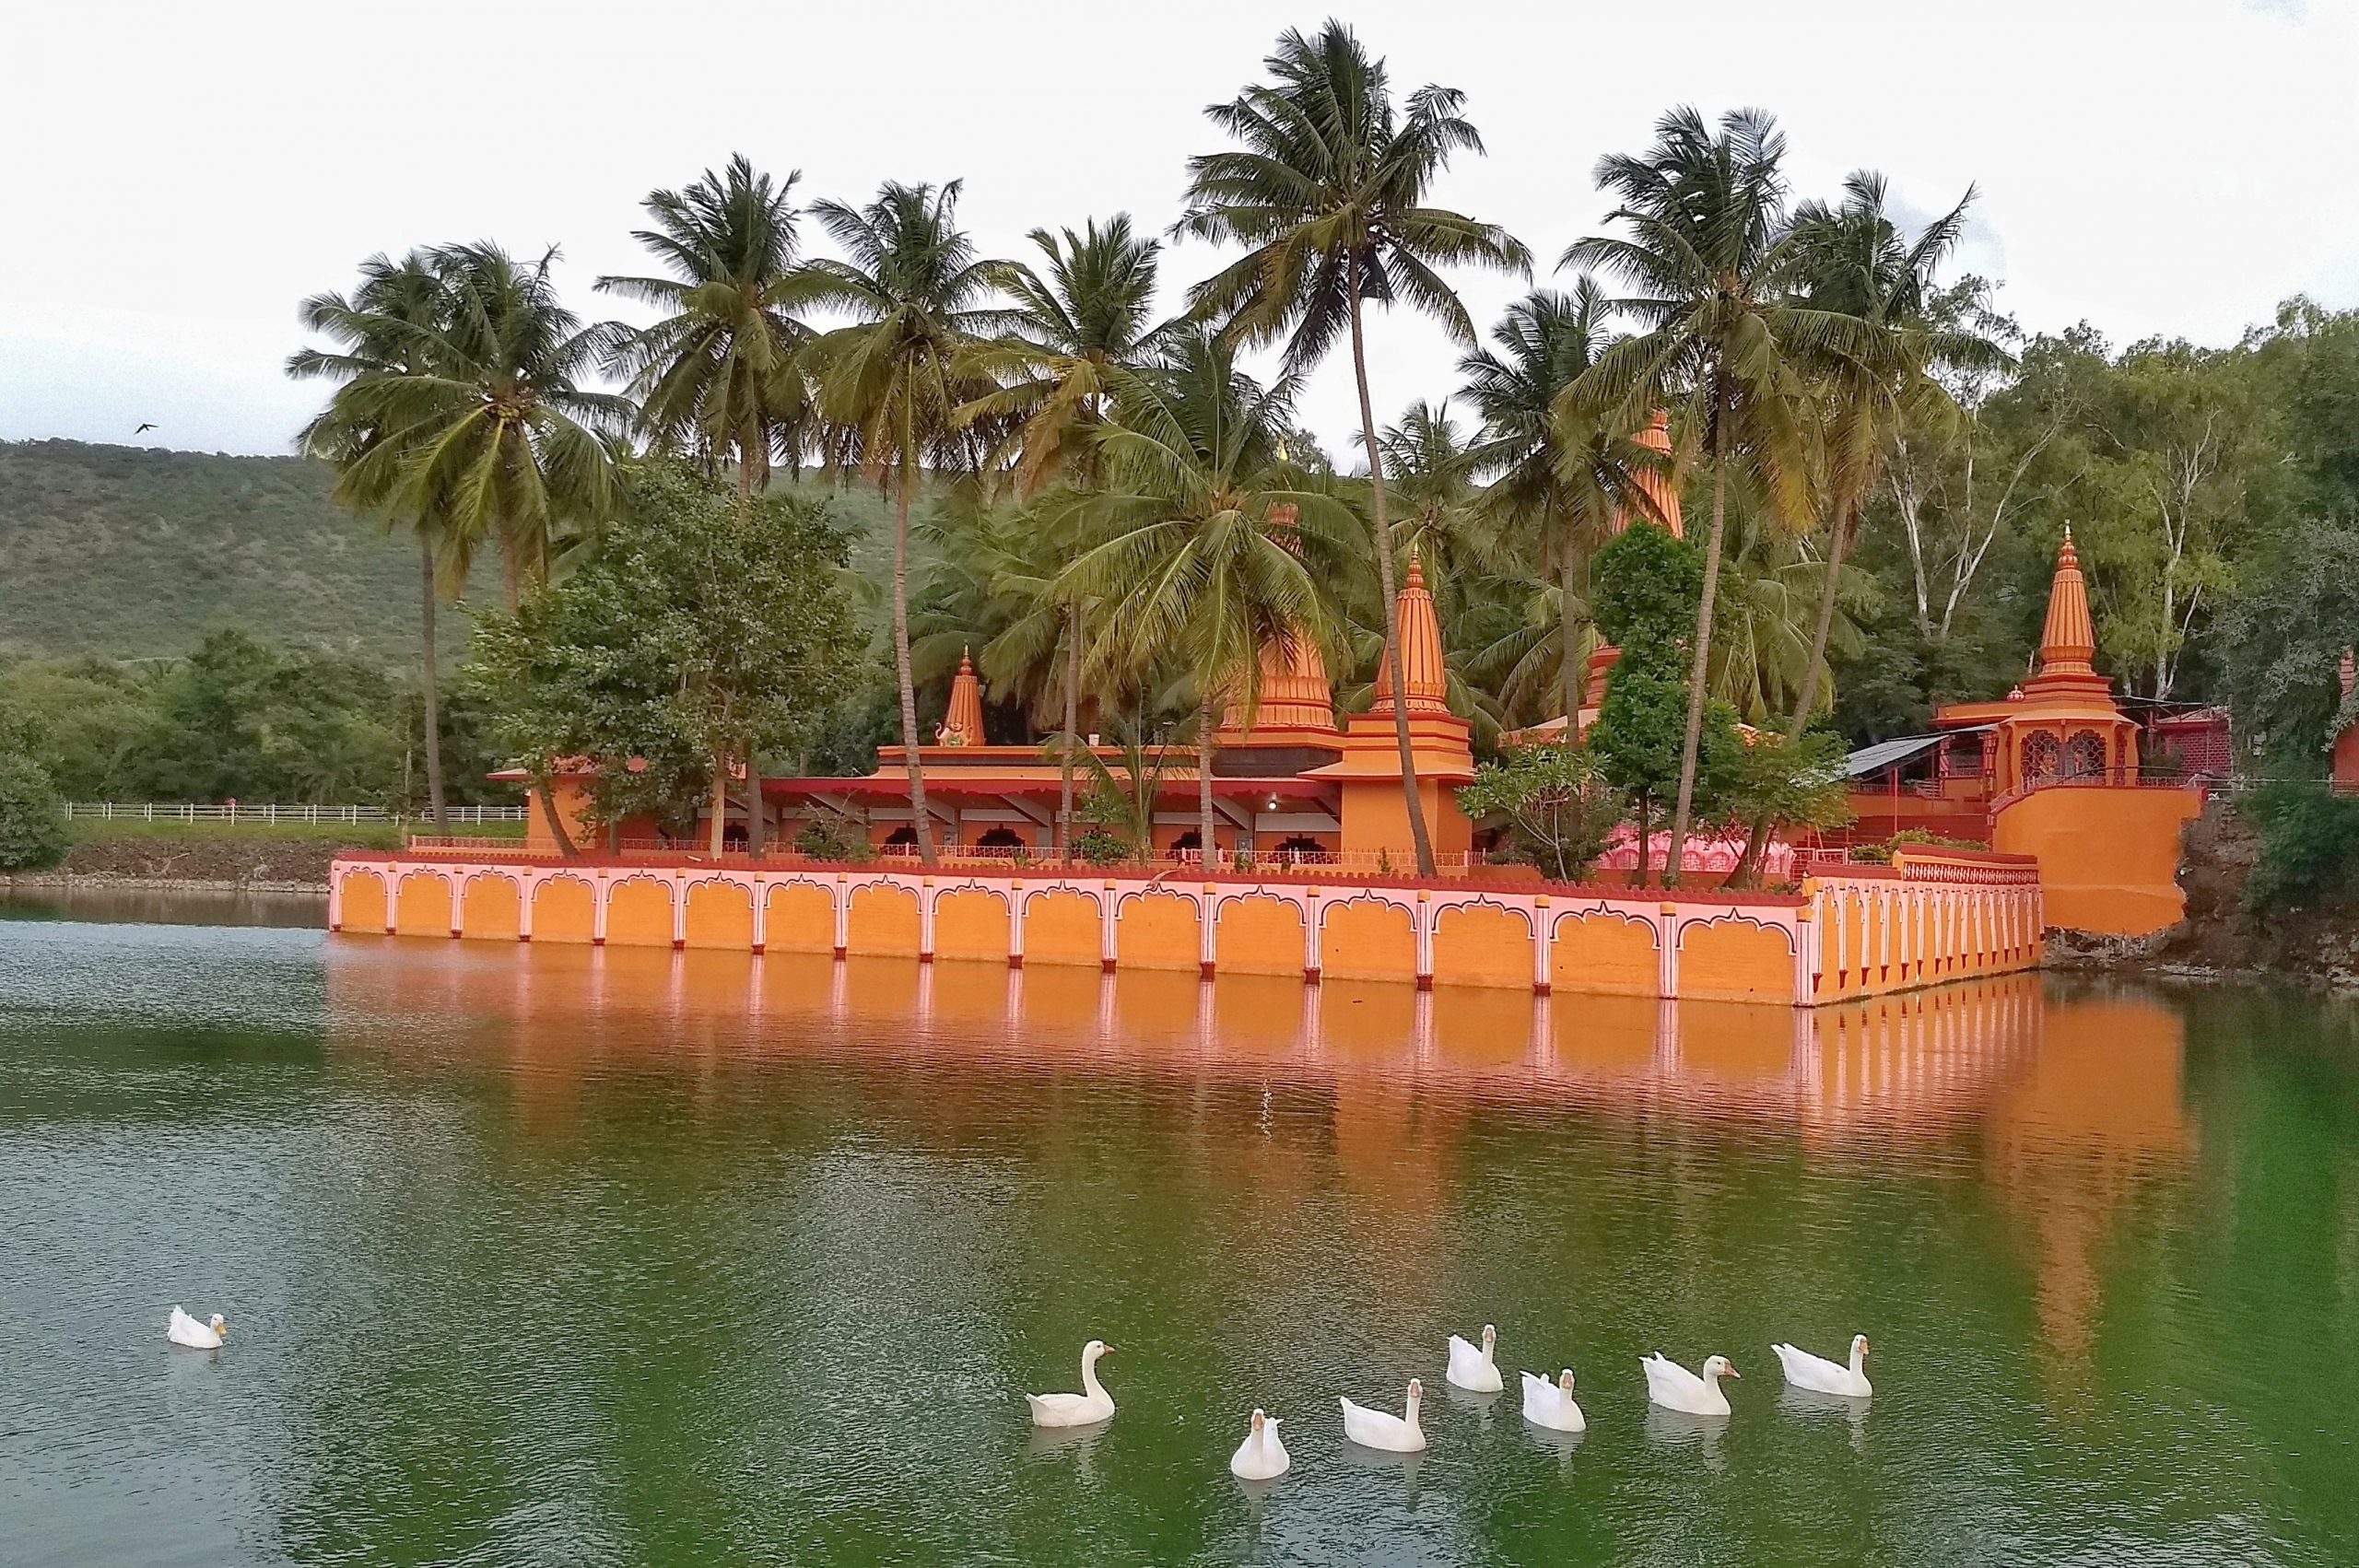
233 810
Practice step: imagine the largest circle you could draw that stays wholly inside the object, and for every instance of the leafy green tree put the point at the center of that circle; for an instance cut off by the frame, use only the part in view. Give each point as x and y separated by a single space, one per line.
1561 473
1205 538
720 375
1558 808
32 815
1329 196
241 718
893 384
699 636
2283 638
2309 842
1709 251
1648 585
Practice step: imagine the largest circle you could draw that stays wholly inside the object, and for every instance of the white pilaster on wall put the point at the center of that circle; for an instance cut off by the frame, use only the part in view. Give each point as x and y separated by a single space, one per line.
1208 930
679 909
336 900
1312 917
528 887
927 894
842 893
1667 951
1421 924
1016 901
1106 947
601 890
457 882
1543 937
761 886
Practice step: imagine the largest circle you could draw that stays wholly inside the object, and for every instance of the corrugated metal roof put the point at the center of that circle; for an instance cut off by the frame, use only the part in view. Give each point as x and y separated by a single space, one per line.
1884 753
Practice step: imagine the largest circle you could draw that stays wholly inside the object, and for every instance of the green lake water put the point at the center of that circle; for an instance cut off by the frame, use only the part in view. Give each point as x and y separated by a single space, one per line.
547 1255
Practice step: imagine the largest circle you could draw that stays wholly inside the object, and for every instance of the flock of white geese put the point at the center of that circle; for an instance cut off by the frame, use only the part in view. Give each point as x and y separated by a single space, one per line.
1262 1456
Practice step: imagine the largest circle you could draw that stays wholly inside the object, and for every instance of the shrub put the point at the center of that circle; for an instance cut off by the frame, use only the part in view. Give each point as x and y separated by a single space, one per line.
32 818
1558 811
823 840
1099 847
2309 839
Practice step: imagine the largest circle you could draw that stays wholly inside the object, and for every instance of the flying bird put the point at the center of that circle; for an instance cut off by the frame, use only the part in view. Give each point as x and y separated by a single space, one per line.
144 429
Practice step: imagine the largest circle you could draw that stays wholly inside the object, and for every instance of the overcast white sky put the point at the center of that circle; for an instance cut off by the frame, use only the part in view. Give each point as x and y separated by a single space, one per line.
176 176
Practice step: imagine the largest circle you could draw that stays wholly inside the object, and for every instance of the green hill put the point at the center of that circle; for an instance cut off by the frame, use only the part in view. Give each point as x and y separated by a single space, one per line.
133 552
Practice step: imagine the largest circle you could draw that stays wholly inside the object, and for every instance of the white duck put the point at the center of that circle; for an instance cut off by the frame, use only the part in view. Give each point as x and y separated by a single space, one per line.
1382 1429
1084 1408
1675 1387
1475 1371
1551 1404
186 1330
1820 1375
1261 1457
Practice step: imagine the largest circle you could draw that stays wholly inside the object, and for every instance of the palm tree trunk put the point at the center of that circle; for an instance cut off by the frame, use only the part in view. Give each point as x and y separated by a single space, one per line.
918 819
1748 869
1571 624
1204 784
1673 862
1418 835
433 698
1073 718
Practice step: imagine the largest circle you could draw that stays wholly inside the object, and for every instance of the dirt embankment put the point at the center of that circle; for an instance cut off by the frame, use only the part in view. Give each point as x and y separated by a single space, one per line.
215 858
2219 939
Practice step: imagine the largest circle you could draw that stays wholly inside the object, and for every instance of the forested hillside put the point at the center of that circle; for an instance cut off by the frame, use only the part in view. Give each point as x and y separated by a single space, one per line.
135 552
127 553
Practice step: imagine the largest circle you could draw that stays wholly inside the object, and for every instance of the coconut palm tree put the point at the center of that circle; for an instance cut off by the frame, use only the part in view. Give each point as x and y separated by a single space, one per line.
381 329
1089 315
1063 334
1328 194
893 383
1208 546
1854 260
1711 258
720 376
1562 472
491 431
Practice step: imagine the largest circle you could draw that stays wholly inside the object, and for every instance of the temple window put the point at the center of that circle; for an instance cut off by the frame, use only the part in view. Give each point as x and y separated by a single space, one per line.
2085 757
2043 756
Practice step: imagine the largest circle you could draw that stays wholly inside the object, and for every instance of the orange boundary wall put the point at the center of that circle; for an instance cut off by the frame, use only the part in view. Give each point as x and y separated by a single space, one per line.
1851 932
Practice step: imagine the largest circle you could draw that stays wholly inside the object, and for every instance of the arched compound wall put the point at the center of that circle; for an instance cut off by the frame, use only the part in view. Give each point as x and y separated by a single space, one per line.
361 902
638 913
1063 927
491 908
1366 939
1604 952
801 919
1734 959
1258 935
1156 930
721 915
883 922
1478 944
970 922
422 904
564 909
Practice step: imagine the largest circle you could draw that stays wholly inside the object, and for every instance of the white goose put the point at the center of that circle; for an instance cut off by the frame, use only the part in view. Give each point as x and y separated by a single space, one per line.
1551 1404
186 1330
1382 1429
1675 1387
1261 1457
1820 1375
1475 1371
1084 1408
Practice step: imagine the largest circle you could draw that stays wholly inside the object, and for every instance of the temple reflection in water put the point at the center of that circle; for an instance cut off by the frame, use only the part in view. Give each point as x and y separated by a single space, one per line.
2065 1103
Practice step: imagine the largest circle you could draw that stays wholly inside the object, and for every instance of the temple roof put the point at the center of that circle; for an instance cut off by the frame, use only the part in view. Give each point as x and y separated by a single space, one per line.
2069 639
1423 674
963 724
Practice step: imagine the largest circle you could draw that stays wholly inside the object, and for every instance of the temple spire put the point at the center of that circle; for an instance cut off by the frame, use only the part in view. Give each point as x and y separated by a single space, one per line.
2069 639
1422 674
963 724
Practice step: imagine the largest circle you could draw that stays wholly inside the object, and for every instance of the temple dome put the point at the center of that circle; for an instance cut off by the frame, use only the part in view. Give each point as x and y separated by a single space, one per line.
1424 676
2069 639
963 724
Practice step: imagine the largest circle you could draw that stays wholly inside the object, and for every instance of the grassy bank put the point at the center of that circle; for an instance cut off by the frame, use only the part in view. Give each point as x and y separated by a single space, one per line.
231 854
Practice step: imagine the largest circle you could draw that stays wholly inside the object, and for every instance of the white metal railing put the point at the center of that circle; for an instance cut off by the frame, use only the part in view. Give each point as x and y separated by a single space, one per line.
234 810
